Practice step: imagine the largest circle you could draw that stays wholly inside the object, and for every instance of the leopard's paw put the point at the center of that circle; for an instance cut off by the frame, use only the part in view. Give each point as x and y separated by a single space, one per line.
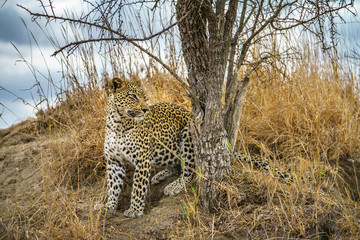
132 213
173 188
111 207
161 176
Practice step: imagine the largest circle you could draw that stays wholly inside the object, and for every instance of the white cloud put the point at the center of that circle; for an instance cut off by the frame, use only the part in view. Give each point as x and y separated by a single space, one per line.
14 112
17 78
59 6
15 74
11 62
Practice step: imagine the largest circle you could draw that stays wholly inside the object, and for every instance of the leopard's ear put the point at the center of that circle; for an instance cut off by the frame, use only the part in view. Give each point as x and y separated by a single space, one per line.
116 83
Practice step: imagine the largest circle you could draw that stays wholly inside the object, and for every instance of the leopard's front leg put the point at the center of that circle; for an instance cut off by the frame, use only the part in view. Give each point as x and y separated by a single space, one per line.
139 189
115 179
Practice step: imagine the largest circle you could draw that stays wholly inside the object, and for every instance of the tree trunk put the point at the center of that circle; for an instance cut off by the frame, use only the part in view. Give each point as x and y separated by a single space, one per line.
206 69
213 156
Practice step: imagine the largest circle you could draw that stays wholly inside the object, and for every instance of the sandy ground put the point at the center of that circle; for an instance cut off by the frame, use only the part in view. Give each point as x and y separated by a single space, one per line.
21 179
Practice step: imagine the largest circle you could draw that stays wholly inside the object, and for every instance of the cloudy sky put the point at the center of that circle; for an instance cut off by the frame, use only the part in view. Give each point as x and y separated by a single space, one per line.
17 80
18 91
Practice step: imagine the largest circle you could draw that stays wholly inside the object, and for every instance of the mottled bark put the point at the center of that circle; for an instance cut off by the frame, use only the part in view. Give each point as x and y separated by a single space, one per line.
205 61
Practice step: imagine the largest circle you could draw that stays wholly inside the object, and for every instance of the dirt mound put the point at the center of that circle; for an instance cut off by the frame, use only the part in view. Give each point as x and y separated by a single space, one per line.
22 191
20 170
32 206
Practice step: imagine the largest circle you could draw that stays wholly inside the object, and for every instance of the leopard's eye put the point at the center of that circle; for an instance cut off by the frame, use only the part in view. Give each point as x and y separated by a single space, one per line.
133 96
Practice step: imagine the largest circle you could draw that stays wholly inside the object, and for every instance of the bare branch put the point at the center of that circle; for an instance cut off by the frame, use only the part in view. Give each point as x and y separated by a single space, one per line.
54 17
74 45
235 92
303 22
242 22
220 7
183 84
246 45
233 47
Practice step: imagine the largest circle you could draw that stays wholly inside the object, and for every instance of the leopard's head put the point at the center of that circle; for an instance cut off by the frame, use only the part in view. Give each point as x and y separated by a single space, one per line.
129 98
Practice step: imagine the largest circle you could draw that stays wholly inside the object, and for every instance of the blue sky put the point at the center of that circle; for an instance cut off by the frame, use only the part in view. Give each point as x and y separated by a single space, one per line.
16 76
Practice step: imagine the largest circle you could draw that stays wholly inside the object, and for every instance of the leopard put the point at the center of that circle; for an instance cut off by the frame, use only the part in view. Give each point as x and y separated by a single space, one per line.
256 162
144 136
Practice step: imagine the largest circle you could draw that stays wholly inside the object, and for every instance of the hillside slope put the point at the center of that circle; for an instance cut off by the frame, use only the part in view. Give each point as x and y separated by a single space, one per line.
52 168
26 196
22 190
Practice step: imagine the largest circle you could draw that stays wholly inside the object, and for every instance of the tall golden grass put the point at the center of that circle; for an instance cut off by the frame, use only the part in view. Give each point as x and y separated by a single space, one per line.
307 119
307 122
312 113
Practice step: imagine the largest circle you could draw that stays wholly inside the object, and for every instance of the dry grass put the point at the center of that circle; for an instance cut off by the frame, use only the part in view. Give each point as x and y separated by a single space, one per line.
312 113
308 120
77 143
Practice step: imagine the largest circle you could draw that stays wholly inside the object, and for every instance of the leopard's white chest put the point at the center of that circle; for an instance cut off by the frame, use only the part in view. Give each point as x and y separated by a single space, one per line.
123 146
